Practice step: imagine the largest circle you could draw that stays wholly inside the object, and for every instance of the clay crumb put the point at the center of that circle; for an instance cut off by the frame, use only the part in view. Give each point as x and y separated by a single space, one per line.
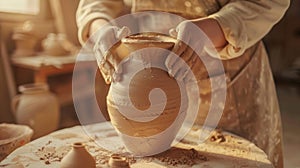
177 156
218 137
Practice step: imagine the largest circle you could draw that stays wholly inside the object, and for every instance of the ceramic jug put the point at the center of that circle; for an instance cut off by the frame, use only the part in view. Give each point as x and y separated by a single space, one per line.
36 107
146 126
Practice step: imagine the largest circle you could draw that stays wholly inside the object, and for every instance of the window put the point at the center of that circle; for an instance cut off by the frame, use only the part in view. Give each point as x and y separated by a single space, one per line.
31 7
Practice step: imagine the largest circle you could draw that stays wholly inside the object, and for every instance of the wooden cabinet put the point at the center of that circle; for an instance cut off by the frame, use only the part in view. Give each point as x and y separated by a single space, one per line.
59 72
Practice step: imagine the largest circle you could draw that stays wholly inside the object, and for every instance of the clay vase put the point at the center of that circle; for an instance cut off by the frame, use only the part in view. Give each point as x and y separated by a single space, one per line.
78 157
144 129
53 45
25 44
26 38
117 161
36 107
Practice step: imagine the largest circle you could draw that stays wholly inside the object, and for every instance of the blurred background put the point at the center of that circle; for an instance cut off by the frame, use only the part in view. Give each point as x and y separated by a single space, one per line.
31 29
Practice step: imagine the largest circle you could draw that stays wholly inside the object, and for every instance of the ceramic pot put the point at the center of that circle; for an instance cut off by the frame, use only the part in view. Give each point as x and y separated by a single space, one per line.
78 157
13 136
153 124
25 44
26 38
37 107
54 45
117 161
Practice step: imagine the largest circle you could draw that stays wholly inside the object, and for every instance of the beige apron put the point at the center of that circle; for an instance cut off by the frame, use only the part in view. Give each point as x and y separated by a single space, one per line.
251 107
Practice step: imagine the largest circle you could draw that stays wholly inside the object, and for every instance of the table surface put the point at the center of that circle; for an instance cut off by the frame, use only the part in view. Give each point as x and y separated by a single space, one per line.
38 61
221 149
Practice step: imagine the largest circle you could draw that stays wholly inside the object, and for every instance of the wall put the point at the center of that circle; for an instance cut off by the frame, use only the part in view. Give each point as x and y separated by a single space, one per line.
8 22
5 114
283 41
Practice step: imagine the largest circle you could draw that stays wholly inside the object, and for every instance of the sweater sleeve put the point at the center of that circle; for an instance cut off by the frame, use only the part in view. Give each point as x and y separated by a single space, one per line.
89 10
245 22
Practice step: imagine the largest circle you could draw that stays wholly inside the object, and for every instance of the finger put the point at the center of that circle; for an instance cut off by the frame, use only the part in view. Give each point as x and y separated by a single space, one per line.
178 49
180 75
192 59
115 62
106 40
123 32
183 62
105 75
197 69
188 55
173 33
98 55
116 77
188 77
107 70
115 67
106 65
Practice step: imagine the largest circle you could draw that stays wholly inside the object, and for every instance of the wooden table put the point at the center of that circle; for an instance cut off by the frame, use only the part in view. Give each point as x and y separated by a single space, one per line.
222 149
58 68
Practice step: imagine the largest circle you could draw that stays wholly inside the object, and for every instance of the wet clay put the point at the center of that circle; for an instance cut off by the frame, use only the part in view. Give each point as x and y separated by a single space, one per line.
138 93
155 129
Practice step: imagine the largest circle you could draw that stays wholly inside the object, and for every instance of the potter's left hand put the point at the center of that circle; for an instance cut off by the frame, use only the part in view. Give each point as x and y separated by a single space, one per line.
106 37
185 34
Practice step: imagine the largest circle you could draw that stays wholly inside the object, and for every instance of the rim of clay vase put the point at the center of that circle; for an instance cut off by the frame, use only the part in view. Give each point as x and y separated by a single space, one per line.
149 37
33 87
78 145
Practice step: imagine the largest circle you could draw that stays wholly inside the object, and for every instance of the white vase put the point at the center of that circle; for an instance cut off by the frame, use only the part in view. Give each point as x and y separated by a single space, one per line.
37 107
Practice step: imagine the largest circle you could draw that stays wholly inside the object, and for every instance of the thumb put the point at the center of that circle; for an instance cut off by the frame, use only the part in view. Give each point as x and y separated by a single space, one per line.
173 33
123 32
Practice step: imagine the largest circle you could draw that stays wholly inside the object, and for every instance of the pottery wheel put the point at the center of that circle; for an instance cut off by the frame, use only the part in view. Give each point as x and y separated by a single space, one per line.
222 150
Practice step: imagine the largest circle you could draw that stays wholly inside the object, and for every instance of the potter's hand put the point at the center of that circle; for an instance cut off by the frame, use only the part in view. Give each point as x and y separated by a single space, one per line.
185 34
106 37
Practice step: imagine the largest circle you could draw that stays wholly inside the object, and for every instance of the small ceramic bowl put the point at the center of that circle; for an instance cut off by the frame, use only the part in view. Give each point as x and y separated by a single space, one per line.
13 136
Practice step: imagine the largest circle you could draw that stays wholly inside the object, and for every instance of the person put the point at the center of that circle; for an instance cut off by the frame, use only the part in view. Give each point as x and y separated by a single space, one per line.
235 28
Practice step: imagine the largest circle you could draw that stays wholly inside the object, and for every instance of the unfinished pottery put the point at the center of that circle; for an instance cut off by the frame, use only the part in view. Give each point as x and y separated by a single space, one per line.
13 136
146 126
37 107
78 157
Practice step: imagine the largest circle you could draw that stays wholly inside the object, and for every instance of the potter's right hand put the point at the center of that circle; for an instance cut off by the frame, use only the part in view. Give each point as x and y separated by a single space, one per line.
186 41
106 37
